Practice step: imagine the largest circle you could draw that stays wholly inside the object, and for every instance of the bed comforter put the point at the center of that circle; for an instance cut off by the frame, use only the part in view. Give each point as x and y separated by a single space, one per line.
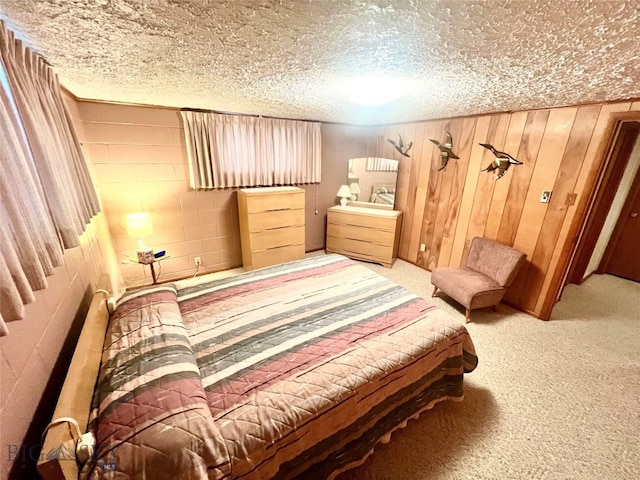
296 370
383 197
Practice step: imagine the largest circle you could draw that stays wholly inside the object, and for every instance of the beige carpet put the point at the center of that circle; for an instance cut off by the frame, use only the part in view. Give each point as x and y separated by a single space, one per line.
549 400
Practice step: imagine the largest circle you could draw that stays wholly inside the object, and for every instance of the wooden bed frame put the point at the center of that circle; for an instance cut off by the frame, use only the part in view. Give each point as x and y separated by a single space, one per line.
57 460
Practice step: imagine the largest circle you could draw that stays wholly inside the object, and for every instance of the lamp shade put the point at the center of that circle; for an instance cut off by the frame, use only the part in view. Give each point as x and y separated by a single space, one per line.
139 225
355 188
344 193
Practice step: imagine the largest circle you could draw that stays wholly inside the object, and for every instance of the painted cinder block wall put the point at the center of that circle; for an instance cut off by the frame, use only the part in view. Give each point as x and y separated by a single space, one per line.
140 164
139 160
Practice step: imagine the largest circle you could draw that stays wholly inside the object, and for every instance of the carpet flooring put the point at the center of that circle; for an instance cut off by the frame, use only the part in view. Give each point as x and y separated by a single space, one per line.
549 400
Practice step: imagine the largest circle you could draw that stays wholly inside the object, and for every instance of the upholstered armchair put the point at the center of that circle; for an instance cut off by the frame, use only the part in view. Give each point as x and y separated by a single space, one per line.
490 269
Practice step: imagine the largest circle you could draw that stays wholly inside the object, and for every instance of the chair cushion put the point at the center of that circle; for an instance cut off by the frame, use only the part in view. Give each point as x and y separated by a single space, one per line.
468 287
495 260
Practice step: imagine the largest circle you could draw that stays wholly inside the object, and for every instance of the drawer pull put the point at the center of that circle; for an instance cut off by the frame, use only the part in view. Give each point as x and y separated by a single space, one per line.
281 246
281 227
361 254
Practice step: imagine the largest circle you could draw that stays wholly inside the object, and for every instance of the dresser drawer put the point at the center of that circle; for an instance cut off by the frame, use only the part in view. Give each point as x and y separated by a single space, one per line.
278 237
357 248
275 219
383 223
276 255
272 202
373 235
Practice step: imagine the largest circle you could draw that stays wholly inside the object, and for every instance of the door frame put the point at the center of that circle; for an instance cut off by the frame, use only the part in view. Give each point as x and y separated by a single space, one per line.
634 193
615 163
591 202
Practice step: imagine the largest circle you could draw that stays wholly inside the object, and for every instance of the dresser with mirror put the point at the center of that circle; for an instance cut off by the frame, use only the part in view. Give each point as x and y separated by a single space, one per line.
367 228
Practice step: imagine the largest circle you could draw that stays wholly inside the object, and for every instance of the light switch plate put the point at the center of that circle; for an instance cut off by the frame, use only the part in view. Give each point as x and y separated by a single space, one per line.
545 197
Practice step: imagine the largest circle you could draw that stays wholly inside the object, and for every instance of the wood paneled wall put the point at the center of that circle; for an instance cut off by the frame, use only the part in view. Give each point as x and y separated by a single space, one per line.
445 209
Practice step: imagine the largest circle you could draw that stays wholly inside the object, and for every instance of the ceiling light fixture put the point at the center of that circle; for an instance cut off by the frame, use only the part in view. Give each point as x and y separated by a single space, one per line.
374 91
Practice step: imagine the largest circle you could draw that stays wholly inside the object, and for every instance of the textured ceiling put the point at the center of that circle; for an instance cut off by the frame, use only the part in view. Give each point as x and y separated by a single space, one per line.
296 59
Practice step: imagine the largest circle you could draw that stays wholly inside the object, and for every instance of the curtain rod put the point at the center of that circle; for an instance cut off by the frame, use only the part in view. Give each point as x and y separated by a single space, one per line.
254 115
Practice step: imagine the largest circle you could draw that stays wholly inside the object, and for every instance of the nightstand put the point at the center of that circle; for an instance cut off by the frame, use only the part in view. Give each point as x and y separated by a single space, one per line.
154 275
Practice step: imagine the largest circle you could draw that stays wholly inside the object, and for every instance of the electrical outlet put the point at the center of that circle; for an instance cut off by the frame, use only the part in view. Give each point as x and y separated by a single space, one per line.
545 197
198 261
423 247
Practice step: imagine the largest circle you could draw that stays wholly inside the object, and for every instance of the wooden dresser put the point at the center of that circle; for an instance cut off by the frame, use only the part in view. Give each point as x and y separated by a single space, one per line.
271 225
364 233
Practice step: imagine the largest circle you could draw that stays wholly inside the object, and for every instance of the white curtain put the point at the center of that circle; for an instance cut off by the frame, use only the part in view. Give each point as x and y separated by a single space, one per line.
240 151
375 164
47 197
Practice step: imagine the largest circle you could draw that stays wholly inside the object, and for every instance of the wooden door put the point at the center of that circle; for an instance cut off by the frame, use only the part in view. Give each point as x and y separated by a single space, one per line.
622 257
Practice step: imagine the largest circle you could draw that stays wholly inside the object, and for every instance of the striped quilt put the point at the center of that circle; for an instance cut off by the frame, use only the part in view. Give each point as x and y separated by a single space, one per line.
292 371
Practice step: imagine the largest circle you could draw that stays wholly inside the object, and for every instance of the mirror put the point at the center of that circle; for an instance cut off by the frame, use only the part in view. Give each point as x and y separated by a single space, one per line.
376 181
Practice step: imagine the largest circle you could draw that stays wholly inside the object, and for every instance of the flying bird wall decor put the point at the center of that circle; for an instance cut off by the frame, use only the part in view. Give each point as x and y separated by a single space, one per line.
445 150
501 163
400 146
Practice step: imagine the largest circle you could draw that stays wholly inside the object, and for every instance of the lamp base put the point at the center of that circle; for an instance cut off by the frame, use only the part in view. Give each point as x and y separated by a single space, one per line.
343 201
145 256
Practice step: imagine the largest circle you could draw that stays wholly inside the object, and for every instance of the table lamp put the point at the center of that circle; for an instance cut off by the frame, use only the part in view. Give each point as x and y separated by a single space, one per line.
139 226
355 190
344 193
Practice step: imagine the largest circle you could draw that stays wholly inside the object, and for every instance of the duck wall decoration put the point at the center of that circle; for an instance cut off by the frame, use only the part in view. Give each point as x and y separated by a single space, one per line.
400 146
501 163
445 150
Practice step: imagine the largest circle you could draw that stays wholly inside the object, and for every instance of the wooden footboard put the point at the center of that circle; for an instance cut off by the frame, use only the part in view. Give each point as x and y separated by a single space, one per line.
57 460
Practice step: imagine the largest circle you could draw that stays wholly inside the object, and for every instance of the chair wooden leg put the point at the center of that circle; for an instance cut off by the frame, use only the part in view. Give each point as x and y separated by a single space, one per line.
467 315
435 289
495 308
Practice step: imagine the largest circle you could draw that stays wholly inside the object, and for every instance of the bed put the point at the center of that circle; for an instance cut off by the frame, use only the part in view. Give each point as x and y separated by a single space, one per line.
291 371
383 193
